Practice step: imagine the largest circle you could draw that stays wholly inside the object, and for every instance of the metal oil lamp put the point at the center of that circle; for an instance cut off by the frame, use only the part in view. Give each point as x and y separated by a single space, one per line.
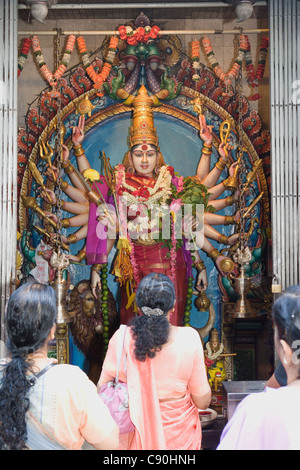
242 284
60 263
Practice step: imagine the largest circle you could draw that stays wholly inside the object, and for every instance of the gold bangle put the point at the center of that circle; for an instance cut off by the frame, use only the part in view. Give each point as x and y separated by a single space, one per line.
199 266
68 168
64 185
209 146
60 202
229 220
81 255
220 165
65 223
214 254
223 239
206 150
78 151
97 268
229 200
71 239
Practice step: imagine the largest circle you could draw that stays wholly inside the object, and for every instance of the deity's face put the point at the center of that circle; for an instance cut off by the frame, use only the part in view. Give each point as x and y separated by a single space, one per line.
144 159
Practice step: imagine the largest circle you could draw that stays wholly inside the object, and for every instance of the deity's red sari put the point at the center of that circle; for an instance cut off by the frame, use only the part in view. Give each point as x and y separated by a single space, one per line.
148 257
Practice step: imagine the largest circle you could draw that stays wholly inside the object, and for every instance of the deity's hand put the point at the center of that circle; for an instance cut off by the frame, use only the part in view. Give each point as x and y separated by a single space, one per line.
205 130
78 132
232 168
232 240
107 216
66 152
51 216
46 192
202 282
95 282
224 150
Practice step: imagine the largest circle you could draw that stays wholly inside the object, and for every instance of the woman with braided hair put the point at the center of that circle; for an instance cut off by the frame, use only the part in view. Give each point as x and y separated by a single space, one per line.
44 407
164 371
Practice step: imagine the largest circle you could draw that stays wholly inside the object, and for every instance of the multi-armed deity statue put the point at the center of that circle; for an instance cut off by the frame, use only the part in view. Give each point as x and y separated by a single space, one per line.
152 209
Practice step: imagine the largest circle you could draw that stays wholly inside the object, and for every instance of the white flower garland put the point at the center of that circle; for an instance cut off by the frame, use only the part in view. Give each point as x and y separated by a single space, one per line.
212 356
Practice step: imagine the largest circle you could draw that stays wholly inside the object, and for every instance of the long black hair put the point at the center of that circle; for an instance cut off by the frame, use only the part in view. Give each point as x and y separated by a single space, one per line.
151 330
30 315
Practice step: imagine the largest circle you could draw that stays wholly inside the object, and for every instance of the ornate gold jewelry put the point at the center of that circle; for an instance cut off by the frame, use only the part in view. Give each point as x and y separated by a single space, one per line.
220 165
65 223
61 201
97 268
229 200
199 266
142 130
214 254
207 149
64 185
229 220
81 255
72 239
78 151
223 239
67 167
227 265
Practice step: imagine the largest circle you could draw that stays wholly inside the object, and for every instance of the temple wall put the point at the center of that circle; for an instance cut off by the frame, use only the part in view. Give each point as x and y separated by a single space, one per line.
31 83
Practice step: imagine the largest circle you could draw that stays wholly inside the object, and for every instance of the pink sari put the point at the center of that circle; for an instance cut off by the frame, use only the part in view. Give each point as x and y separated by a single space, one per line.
167 425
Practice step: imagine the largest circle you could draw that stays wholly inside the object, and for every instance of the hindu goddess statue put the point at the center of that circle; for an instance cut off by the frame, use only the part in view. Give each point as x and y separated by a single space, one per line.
123 203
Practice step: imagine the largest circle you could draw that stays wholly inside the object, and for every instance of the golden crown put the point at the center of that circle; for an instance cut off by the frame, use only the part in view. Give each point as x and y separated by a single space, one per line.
142 130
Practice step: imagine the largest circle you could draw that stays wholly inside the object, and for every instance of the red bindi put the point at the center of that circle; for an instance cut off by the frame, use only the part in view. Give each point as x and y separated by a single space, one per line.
144 147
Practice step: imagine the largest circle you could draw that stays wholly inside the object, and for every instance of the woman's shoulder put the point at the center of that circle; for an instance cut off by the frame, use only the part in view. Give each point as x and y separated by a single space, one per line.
188 332
187 336
67 374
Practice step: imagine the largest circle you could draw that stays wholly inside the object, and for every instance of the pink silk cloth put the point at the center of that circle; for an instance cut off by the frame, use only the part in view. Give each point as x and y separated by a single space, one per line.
159 425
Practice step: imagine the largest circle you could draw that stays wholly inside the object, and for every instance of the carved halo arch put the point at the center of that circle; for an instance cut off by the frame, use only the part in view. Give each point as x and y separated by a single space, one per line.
178 112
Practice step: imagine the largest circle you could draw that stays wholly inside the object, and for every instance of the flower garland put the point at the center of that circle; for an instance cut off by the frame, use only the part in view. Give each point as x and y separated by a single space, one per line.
195 59
51 78
226 78
134 36
98 78
23 54
256 76
161 190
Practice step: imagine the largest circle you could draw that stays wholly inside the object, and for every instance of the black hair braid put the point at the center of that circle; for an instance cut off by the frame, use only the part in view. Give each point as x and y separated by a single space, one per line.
150 334
30 315
14 403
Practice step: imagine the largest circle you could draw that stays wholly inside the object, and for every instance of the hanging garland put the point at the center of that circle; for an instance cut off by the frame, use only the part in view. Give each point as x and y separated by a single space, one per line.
98 78
226 78
51 78
23 54
196 60
255 77
134 36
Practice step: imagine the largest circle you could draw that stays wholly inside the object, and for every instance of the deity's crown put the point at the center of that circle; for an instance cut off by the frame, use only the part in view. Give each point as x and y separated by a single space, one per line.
142 130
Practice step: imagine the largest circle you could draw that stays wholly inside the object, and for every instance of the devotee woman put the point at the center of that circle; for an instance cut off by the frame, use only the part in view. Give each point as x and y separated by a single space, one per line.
45 405
165 373
270 420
